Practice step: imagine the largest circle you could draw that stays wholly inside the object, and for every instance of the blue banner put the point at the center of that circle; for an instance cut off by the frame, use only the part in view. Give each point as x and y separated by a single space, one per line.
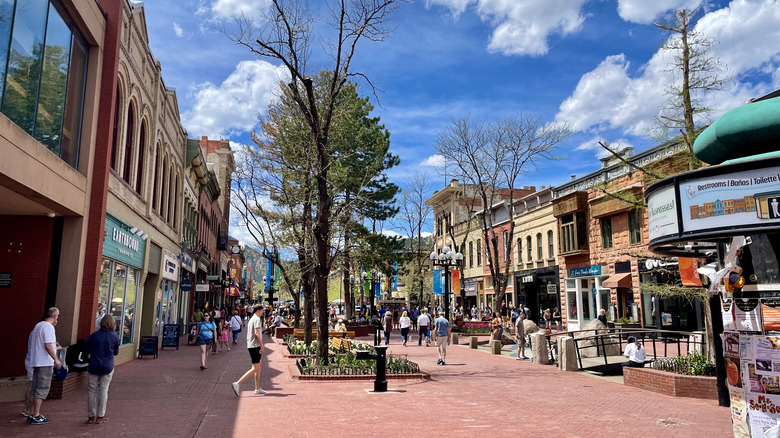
437 286
269 270
395 275
378 289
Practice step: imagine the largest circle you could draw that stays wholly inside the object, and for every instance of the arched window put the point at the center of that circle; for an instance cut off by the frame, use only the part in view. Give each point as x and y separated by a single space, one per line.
164 190
171 196
175 215
115 139
550 244
530 248
129 143
539 246
156 180
139 173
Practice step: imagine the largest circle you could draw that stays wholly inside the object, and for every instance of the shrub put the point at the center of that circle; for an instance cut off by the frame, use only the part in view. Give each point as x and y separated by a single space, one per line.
692 365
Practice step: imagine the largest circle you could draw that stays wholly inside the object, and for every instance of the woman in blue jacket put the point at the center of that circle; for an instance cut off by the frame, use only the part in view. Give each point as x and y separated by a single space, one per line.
101 347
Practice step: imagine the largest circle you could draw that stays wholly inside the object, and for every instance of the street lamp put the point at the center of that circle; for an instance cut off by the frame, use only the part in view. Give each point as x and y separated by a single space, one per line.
446 259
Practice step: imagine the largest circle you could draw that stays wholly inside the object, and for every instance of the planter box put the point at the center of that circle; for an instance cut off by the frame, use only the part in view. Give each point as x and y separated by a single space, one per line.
281 331
676 385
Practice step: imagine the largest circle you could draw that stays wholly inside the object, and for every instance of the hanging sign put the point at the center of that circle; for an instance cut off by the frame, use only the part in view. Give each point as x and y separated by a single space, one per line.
455 282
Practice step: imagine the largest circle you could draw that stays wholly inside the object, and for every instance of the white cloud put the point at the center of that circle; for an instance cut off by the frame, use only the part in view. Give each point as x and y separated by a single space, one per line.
644 11
235 104
457 7
608 98
231 9
522 27
434 161
177 30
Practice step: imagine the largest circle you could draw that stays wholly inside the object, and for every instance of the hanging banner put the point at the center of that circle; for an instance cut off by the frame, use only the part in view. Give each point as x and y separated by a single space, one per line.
688 274
269 270
378 289
437 287
395 275
455 282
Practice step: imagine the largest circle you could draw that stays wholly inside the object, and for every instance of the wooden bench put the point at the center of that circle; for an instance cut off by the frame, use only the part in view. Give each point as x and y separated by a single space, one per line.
341 344
301 333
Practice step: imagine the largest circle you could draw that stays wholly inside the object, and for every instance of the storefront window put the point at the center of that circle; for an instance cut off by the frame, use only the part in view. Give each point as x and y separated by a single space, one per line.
117 295
166 304
649 309
571 302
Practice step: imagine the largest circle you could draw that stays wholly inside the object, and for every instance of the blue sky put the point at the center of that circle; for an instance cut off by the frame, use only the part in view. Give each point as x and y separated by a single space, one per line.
593 63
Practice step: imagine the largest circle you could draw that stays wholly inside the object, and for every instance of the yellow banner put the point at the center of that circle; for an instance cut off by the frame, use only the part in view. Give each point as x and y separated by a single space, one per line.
455 282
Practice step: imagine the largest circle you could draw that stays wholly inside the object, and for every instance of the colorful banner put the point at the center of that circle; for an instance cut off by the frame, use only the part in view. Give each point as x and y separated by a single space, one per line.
395 275
378 289
269 270
455 282
688 274
437 286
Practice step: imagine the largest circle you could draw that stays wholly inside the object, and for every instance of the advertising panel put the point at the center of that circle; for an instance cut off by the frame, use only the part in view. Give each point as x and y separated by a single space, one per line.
662 213
750 197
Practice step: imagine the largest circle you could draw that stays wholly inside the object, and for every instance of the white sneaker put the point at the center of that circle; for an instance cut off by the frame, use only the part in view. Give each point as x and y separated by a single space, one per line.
235 388
259 391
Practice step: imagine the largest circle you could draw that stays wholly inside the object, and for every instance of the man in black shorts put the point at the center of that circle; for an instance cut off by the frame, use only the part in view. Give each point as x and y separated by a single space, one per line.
254 343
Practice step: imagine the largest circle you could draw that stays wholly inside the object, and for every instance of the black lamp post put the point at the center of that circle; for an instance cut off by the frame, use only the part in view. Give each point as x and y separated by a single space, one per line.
446 259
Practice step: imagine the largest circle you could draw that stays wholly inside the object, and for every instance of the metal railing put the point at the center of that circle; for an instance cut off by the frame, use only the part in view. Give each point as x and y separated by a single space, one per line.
609 337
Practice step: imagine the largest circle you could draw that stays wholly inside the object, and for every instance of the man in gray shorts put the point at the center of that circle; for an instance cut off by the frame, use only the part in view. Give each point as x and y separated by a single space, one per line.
41 357
443 329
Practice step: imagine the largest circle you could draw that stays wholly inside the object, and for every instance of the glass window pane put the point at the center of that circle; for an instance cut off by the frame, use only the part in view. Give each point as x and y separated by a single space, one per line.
104 292
585 304
118 294
129 312
571 303
74 105
24 63
6 19
54 76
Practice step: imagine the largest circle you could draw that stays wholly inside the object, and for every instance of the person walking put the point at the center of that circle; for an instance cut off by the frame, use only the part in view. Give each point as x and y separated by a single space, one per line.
520 336
414 314
207 332
236 322
223 335
101 346
405 323
442 329
254 343
42 358
387 323
423 322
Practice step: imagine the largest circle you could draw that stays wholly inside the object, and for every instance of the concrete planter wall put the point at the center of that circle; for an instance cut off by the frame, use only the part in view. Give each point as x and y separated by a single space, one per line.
676 385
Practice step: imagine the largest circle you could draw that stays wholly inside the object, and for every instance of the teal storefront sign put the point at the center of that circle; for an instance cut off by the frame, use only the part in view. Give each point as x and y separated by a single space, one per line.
588 271
121 245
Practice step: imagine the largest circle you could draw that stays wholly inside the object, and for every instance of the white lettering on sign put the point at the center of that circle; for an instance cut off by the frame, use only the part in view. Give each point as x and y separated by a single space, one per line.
124 239
528 279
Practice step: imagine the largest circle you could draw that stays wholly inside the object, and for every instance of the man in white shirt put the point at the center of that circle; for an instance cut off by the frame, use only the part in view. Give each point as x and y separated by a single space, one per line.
635 353
254 343
42 358
424 321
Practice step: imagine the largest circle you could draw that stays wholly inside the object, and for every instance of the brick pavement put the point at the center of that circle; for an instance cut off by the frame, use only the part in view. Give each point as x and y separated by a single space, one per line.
475 392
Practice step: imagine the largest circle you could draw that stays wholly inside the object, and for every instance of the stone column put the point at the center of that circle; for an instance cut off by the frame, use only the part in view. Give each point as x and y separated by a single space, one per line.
455 339
473 342
567 354
539 351
495 346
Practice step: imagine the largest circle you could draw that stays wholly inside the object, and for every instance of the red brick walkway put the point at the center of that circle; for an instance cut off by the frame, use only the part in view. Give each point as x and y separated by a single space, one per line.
474 393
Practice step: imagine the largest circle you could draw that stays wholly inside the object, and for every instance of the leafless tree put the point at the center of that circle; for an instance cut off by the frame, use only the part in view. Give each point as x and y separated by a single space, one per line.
413 218
284 34
492 158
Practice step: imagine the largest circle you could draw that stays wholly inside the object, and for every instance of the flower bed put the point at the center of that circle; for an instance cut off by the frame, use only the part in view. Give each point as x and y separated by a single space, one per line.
347 364
474 328
676 385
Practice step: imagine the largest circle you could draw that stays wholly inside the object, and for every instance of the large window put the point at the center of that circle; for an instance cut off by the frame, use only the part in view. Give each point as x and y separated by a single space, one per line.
606 233
479 252
634 227
43 62
506 246
471 254
118 288
519 250
529 248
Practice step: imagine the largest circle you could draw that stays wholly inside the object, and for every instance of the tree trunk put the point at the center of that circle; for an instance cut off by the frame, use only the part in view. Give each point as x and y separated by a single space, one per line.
322 247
